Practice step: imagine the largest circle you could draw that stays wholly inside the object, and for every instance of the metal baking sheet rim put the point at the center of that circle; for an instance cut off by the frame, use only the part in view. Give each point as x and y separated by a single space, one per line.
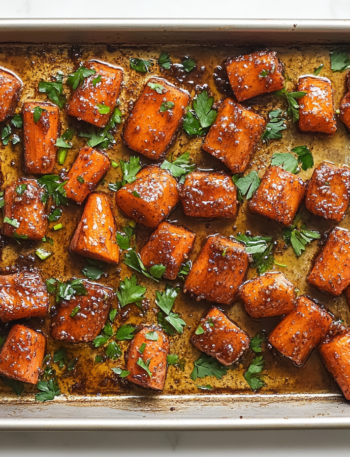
202 412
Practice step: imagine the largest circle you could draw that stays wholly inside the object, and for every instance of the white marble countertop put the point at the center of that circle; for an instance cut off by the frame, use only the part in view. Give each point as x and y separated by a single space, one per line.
241 443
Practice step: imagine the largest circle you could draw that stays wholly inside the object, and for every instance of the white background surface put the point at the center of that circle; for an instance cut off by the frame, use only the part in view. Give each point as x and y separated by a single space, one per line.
311 443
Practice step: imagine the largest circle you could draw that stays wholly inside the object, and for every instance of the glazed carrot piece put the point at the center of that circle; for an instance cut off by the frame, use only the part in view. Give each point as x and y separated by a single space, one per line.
95 236
209 195
150 128
150 198
82 318
10 90
23 295
218 271
344 106
234 135
88 169
331 270
40 137
316 112
301 330
279 196
24 208
148 353
268 295
169 245
96 92
255 74
221 338
22 354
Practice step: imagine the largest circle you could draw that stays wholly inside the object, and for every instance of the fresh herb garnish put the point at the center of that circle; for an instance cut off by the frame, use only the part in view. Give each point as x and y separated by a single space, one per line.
20 189
54 188
260 248
252 375
125 333
47 239
81 179
152 336
6 136
93 271
256 341
166 106
54 90
299 238
185 269
104 337
304 157
142 348
199 330
55 215
285 160
124 240
37 114
17 121
164 60
75 311
120 372
188 64
180 167
136 194
113 351
318 69
133 260
74 79
17 386
49 390
42 253
60 357
112 314
208 366
246 185
198 122
145 366
156 87
275 126
140 65
65 290
103 109
293 107
13 222
96 80
165 300
172 359
63 145
130 292
339 61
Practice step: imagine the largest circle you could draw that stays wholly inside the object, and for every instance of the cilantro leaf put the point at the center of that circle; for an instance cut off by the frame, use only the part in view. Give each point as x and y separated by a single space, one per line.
188 64
125 332
120 372
291 97
113 351
185 269
172 359
318 69
192 125
208 366
286 161
130 169
74 79
176 321
145 366
49 390
54 188
54 90
17 386
104 337
255 342
247 185
124 241
130 292
164 60
339 60
165 325
252 375
156 87
275 126
299 238
180 167
166 300
202 105
304 157
140 65
261 250
133 260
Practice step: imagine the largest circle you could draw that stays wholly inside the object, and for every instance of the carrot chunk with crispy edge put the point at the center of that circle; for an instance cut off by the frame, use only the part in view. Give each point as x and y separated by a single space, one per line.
85 100
169 245
90 318
335 352
301 331
279 196
221 339
254 74
316 112
218 271
95 235
23 295
328 193
10 90
150 198
209 195
234 135
344 106
331 270
268 295
149 130
153 357
40 138
88 169
22 354
26 208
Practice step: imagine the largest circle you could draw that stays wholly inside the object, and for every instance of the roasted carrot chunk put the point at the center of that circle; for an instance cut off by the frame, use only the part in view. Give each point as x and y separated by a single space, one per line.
335 352
279 196
219 337
95 236
22 295
331 270
22 354
89 316
169 245
316 112
344 106
98 91
150 198
234 135
25 210
146 359
88 169
10 90
218 271
268 295
254 74
328 191
155 118
209 195
40 137
301 331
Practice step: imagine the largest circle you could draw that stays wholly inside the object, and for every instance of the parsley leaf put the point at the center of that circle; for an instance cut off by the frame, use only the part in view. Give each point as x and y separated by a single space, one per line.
133 260
17 386
260 248
255 342
54 188
293 107
55 215
13 222
92 272
202 105
120 372
188 64
124 241
318 69
96 80
180 167
20 189
299 238
252 375
166 300
165 325
156 87
113 351
152 336
192 125
103 109
145 366
130 292
199 330
37 114
185 269
65 290
130 169
176 321
164 60
286 161
74 79
140 65
208 366
172 359
275 126
125 332
17 121
304 157
107 333
49 390
247 185
54 90
59 357
166 106
339 60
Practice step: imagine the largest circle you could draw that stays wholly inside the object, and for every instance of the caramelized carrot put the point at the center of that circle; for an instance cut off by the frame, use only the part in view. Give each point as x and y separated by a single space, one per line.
10 90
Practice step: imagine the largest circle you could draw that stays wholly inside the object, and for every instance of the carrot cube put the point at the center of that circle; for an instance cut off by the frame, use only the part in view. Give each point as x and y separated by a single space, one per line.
101 88
218 271
279 196
22 354
209 195
88 169
328 191
151 354
10 89
234 135
24 207
40 138
301 331
220 338
150 198
152 125
169 245
331 270
268 295
95 236
316 112
90 318
23 295
254 74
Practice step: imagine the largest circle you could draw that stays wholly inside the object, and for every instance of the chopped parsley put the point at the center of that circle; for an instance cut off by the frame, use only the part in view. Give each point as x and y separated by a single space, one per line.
164 61
103 137
54 188
198 121
6 135
188 64
37 114
63 146
172 359
208 366
104 337
299 238
113 351
81 179
166 106
120 372
124 240
130 292
152 336
133 260
156 87
49 390
42 253
140 65
167 319
339 60
246 185
142 348
136 194
54 90
125 333
304 157
287 161
185 269
291 97
93 270
65 290
180 167
256 341
75 311
103 109
275 126
199 330
74 79
318 69
260 248
253 374
55 215
20 189
96 80
17 121
13 222
145 366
